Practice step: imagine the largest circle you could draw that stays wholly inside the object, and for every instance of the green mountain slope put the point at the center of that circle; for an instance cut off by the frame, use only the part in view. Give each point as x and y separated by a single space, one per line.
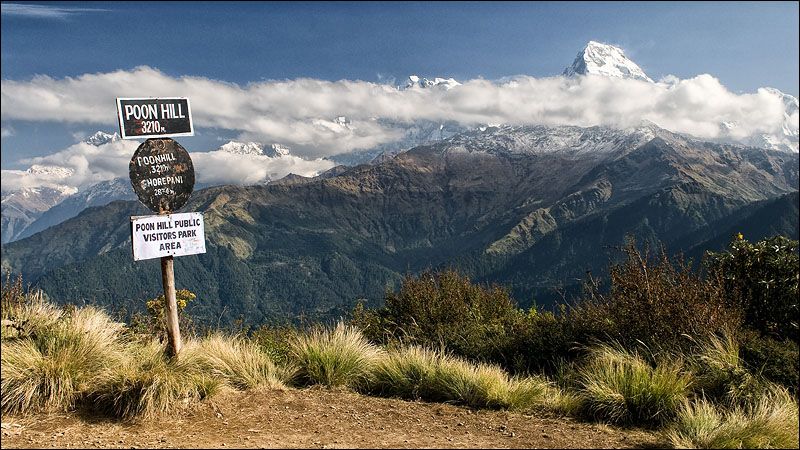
533 207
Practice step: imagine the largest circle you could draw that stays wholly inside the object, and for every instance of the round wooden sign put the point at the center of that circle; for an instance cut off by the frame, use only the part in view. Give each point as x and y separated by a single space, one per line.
162 175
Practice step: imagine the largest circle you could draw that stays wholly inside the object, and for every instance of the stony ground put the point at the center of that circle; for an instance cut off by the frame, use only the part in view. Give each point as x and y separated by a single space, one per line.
318 418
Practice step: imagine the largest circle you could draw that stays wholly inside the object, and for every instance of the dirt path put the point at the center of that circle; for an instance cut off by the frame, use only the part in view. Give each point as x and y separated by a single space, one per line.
318 418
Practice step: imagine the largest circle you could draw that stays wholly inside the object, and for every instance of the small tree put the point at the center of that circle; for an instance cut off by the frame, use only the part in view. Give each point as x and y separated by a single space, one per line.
155 322
655 301
763 277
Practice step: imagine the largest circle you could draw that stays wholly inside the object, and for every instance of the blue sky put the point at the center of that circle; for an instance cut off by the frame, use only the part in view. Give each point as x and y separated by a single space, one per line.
744 45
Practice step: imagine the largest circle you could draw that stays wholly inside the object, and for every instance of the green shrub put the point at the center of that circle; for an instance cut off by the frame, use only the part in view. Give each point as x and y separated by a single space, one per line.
275 341
764 277
771 422
776 360
445 310
338 357
621 387
154 324
59 359
148 384
542 344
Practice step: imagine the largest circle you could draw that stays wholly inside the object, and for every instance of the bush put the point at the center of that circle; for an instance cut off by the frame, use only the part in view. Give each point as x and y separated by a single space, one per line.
654 301
148 384
771 422
155 323
445 310
620 386
338 357
275 341
58 358
764 277
545 342
776 360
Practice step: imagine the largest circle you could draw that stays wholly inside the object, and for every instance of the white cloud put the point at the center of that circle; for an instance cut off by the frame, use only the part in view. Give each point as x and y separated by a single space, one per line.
221 167
43 11
299 112
88 164
7 131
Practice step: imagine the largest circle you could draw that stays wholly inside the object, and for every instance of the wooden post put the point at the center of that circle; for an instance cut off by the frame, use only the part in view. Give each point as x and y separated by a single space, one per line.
170 302
173 330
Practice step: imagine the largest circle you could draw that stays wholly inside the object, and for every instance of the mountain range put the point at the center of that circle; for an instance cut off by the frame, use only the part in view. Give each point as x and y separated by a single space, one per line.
595 59
530 207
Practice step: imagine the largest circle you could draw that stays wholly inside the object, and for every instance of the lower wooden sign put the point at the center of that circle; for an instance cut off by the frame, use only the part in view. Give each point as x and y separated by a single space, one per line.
178 234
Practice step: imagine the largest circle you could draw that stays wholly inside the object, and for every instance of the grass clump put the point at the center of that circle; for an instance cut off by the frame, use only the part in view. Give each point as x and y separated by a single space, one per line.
338 357
241 363
769 422
149 384
57 358
621 387
405 373
418 373
29 319
720 374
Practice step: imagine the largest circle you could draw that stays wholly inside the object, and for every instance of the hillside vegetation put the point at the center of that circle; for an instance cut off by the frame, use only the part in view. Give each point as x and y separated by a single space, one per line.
709 360
531 208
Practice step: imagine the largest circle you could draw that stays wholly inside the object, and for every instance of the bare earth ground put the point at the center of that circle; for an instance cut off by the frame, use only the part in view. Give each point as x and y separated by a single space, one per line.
318 418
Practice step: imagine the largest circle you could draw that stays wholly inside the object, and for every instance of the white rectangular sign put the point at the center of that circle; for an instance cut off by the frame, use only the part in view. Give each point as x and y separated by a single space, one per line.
169 234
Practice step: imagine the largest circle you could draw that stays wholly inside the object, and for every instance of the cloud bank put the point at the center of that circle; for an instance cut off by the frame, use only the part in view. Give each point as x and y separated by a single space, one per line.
300 113
82 165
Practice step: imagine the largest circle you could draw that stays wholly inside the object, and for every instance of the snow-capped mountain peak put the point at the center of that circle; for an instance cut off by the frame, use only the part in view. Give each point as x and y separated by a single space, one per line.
784 140
607 60
50 171
254 148
242 148
276 150
101 137
444 83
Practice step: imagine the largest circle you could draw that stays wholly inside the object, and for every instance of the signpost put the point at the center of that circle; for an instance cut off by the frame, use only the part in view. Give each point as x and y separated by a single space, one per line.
162 175
152 117
167 235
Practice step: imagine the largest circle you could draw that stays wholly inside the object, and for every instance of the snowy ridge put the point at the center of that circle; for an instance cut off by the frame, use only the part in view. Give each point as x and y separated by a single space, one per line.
444 83
254 148
101 137
540 139
51 171
606 60
242 148
784 140
39 195
276 150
